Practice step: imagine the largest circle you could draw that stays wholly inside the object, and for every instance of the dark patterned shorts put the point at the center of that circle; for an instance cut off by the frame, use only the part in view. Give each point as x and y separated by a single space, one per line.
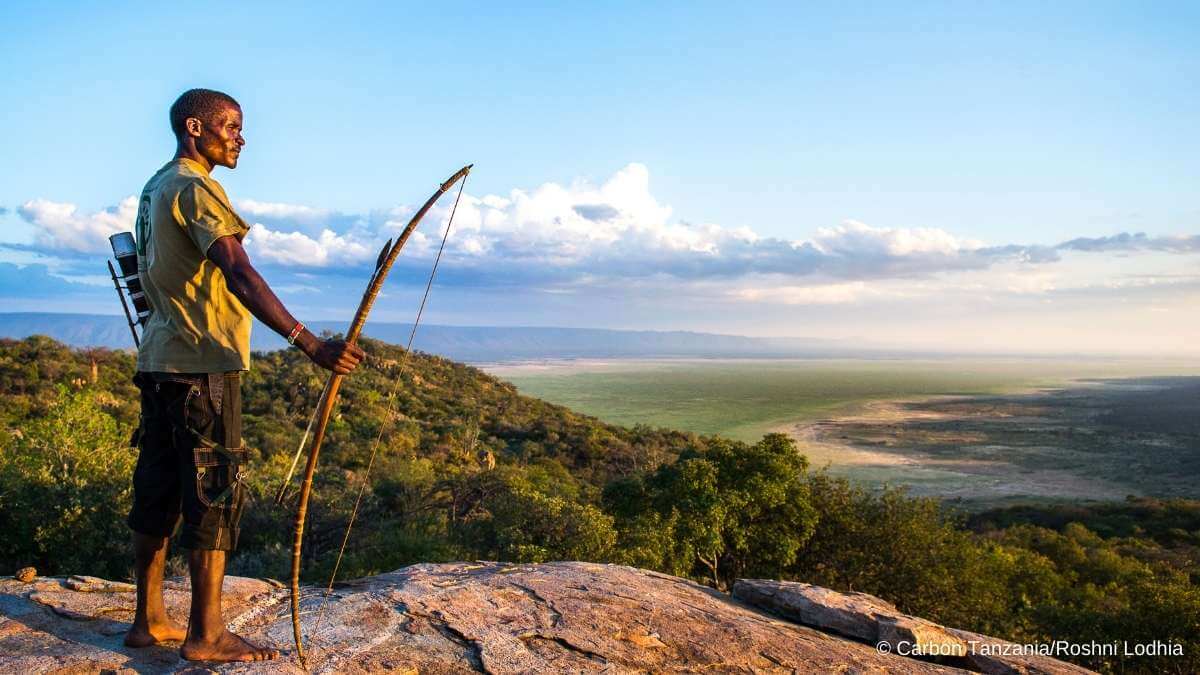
191 461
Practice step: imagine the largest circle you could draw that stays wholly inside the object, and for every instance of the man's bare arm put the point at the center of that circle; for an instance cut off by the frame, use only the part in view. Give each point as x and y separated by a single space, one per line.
252 290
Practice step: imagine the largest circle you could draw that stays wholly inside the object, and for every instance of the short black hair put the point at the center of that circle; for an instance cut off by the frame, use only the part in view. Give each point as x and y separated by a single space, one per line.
200 103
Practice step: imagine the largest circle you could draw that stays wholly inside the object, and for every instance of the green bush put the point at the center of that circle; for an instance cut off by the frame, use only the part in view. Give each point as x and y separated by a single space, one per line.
516 523
719 512
66 487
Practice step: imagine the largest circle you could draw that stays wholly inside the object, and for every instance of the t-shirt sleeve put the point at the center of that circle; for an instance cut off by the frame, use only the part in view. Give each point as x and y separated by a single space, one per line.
204 217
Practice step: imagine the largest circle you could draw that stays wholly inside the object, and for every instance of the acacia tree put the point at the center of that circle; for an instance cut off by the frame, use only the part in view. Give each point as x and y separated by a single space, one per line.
512 520
724 511
769 515
686 494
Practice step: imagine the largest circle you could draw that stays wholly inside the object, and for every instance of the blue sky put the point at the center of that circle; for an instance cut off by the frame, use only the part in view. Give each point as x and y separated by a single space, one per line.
923 173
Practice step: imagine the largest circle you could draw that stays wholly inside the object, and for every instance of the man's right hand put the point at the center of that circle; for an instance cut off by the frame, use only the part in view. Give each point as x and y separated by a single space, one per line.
337 355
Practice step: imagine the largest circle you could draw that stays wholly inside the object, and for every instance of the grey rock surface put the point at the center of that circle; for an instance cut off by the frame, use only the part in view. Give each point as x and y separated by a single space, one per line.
446 618
876 621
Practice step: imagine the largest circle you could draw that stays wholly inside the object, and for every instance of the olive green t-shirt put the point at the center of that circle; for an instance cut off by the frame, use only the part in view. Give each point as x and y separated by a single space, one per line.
196 325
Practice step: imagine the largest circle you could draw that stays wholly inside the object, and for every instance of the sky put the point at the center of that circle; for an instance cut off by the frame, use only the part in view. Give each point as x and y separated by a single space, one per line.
966 176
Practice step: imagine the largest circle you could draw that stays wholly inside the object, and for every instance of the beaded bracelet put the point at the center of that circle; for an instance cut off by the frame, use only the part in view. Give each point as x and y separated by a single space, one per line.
295 333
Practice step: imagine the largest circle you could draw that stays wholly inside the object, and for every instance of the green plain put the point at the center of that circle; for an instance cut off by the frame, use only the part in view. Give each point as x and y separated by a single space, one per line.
743 399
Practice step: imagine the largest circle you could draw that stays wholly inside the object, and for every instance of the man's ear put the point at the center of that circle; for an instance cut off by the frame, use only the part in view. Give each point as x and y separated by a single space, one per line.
193 125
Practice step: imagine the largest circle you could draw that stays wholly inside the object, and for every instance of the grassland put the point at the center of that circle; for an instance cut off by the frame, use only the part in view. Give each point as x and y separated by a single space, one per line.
986 432
744 399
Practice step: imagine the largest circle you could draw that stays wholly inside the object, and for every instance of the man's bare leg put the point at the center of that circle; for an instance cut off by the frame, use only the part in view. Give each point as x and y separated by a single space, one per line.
207 639
151 624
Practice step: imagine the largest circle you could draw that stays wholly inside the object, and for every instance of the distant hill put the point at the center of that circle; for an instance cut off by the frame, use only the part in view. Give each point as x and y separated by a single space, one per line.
465 343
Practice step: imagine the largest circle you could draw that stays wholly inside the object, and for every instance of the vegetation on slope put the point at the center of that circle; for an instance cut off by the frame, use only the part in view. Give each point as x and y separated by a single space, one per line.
468 468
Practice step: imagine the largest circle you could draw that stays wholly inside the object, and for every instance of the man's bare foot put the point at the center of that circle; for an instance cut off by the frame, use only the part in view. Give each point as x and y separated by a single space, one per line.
228 647
141 635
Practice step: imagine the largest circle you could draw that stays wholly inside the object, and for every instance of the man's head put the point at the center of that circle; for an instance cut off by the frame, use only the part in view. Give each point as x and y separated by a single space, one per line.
209 124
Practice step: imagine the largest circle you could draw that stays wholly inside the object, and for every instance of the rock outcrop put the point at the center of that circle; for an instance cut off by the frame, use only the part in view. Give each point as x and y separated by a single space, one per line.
487 617
878 622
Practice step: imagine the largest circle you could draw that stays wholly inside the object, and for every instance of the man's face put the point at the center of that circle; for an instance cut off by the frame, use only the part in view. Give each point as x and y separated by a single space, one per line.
220 140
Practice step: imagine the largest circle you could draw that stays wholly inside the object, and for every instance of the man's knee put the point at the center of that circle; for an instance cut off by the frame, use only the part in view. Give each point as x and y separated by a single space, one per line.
215 495
156 493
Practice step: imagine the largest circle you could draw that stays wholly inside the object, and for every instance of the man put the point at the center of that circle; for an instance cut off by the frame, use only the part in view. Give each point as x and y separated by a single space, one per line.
202 289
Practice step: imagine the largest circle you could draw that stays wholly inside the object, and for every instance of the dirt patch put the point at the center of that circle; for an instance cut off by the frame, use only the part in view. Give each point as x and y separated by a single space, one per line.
1060 443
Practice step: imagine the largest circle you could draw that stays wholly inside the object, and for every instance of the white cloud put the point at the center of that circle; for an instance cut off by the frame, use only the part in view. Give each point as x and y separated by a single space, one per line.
295 288
564 225
1138 241
580 235
824 294
254 209
297 248
62 227
612 254
618 229
855 238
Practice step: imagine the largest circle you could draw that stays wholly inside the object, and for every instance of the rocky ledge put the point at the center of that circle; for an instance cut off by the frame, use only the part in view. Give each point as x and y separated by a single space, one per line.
502 618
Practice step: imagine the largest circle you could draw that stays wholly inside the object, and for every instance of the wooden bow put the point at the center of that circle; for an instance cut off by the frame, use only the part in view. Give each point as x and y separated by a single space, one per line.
387 256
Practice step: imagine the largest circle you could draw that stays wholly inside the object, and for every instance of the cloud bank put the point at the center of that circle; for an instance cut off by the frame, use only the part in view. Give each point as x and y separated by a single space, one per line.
60 227
611 254
583 233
